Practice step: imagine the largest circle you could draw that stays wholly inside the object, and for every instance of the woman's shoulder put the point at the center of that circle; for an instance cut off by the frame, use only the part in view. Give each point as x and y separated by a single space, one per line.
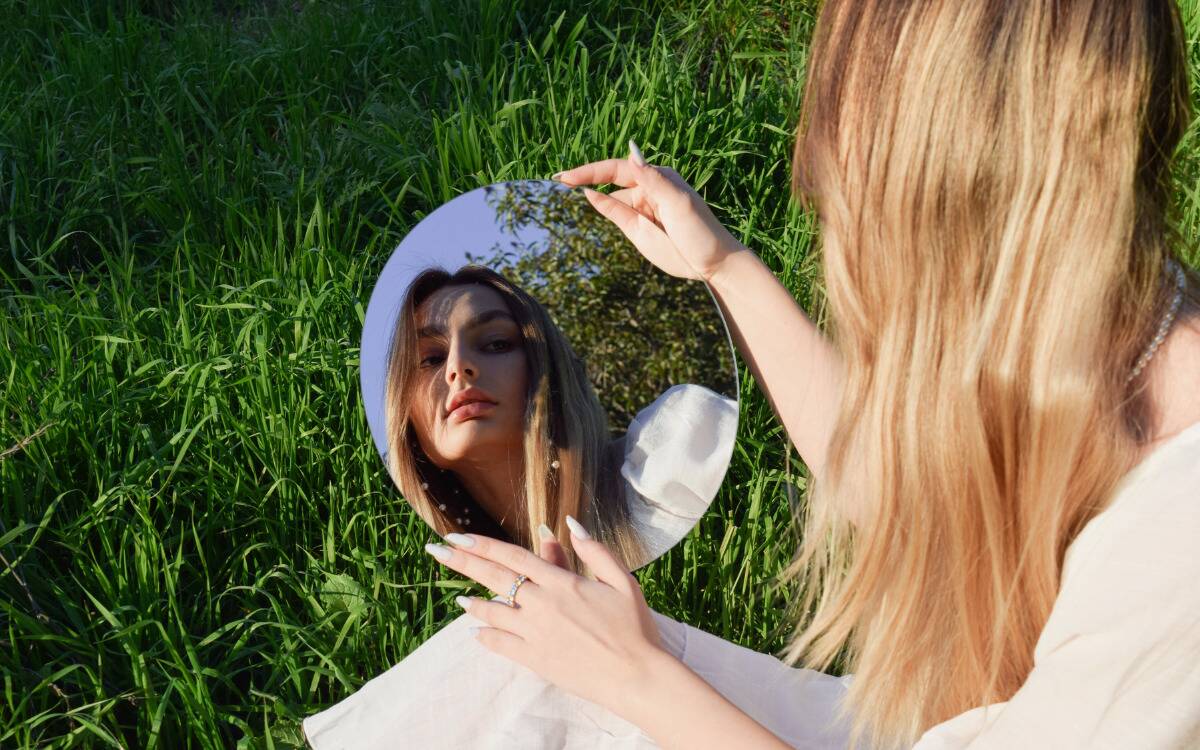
675 456
1114 665
678 411
1143 540
677 449
1155 502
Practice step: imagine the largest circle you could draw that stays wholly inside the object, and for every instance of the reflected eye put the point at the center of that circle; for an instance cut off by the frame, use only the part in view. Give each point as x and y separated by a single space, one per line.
436 358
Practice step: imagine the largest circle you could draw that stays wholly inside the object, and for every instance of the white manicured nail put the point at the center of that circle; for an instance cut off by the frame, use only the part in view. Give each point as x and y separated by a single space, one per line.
544 531
577 529
635 154
462 601
438 551
460 540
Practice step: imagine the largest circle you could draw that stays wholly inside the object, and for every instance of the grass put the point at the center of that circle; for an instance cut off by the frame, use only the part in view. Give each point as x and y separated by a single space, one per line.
200 546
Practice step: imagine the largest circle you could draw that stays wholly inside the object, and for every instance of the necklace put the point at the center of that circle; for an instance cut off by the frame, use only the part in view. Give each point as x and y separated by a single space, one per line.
1181 284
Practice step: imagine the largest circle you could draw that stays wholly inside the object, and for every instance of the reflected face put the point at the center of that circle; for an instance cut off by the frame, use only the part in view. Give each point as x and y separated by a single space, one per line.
469 390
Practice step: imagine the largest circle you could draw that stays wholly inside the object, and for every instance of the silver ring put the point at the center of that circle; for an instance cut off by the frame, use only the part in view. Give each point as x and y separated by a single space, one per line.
512 592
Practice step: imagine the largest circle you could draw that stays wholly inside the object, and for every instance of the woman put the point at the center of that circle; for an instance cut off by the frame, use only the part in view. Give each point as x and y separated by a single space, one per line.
481 385
504 432
1005 471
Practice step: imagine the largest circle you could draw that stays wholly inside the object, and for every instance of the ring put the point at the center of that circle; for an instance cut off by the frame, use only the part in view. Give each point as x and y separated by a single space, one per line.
512 592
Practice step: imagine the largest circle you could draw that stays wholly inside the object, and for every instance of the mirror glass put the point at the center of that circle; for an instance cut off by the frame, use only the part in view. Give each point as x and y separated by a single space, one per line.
528 362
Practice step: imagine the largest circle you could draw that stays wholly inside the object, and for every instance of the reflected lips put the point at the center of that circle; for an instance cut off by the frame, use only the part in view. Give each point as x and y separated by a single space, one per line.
472 402
471 409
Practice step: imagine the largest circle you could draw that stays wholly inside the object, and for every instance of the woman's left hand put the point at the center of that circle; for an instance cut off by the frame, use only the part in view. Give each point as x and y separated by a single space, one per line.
593 638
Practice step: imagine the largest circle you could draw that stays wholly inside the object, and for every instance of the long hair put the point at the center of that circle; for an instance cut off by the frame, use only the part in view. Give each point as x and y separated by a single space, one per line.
564 422
993 187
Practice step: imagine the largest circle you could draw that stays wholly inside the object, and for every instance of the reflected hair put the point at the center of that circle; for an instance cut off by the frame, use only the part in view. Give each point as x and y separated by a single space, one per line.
992 183
564 421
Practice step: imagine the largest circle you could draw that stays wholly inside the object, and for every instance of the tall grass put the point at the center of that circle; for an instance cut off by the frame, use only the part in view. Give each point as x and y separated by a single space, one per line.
199 543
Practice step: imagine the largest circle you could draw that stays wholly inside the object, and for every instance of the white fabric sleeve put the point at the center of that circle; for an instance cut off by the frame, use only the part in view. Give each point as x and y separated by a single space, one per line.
451 692
677 449
1118 662
798 705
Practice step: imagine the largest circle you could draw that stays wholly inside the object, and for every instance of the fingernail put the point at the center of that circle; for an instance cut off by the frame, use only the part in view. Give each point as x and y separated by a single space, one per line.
577 529
635 154
438 551
462 601
557 176
544 531
460 540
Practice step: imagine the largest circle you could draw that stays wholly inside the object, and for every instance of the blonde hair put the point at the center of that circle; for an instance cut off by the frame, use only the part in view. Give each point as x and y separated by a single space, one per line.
992 182
564 422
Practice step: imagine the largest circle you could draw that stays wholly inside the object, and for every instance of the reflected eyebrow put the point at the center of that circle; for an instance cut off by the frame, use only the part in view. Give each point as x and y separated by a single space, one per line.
487 316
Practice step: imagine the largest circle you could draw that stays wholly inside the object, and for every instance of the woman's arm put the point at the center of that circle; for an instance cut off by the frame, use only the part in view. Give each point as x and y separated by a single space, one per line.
794 363
596 639
669 224
678 709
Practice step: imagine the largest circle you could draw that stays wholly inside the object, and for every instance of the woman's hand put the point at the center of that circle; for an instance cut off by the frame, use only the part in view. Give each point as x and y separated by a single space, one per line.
592 638
666 220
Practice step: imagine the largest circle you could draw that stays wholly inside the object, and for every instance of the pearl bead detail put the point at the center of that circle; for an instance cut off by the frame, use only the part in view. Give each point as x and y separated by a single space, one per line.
1181 283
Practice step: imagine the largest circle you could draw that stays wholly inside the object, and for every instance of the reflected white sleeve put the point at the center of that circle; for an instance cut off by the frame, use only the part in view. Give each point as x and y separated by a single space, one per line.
678 448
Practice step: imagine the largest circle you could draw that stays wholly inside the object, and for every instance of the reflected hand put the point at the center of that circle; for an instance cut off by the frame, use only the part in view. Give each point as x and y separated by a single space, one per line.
592 638
665 219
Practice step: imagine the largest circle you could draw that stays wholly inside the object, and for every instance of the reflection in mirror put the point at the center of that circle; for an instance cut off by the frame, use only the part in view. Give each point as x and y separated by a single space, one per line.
531 364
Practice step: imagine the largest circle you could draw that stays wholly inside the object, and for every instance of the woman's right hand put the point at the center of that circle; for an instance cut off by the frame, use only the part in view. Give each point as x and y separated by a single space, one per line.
665 219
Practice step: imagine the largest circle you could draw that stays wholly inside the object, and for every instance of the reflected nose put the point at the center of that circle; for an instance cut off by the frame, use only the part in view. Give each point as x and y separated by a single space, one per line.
459 364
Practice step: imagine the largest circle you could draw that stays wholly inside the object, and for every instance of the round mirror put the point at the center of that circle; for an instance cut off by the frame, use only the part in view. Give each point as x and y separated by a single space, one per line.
521 361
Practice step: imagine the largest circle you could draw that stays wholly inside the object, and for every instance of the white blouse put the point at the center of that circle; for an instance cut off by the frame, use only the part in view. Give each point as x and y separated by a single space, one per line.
1117 664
